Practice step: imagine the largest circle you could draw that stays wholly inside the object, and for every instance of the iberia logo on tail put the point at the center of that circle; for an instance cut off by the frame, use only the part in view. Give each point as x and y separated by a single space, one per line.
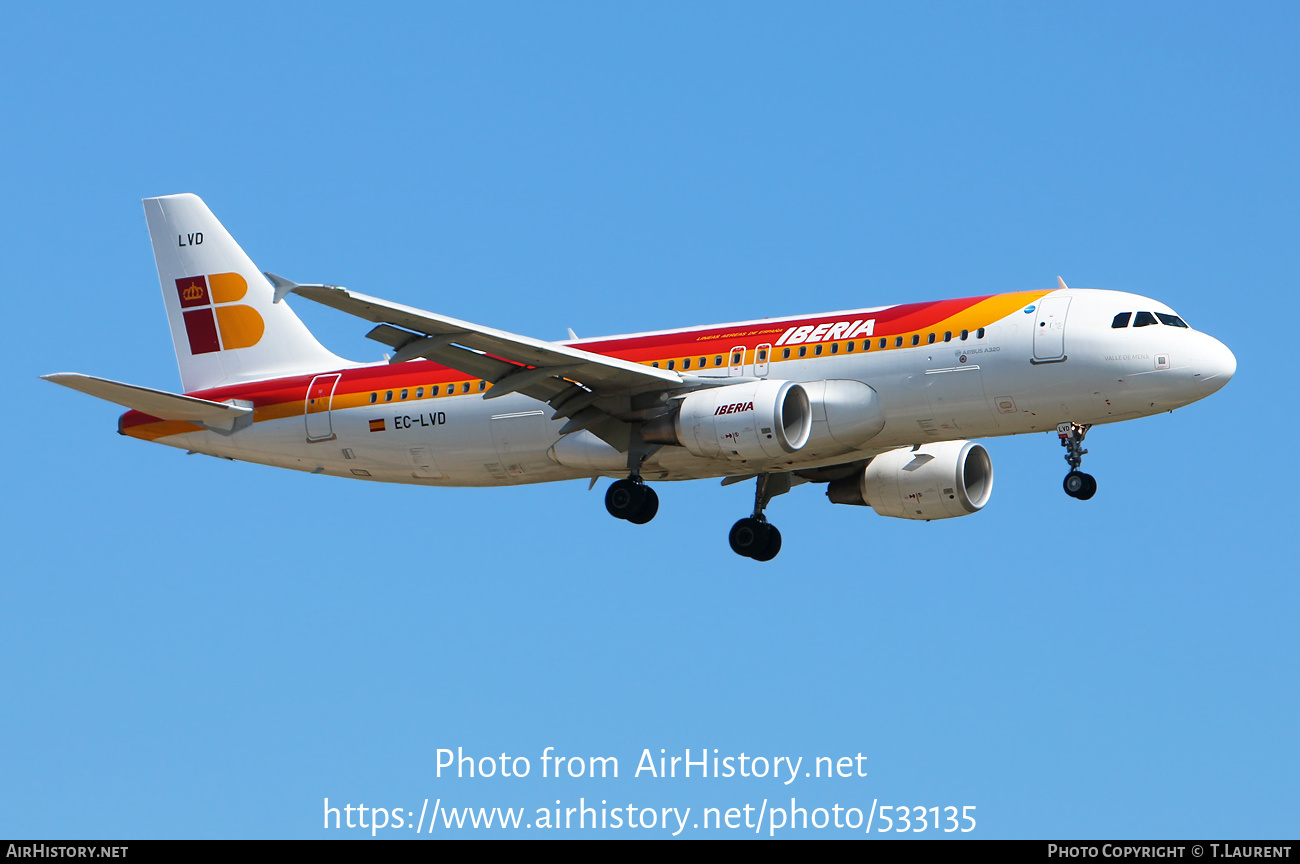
212 322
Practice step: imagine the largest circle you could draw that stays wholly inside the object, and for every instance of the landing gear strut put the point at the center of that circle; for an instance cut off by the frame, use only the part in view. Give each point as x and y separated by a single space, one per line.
755 537
632 500
1077 484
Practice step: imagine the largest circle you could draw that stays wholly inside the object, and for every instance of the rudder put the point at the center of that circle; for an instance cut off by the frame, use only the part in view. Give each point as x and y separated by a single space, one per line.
225 327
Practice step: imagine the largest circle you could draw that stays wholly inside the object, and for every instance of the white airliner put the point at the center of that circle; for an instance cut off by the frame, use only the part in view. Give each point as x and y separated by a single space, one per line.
875 403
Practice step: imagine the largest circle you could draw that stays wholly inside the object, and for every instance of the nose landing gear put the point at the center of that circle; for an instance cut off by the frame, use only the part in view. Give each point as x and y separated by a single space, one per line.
1077 484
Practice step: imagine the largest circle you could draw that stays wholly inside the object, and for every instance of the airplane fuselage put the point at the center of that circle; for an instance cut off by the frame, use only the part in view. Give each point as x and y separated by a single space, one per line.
1006 364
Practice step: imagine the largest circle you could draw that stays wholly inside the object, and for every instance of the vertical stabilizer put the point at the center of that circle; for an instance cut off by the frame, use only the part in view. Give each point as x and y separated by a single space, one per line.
224 325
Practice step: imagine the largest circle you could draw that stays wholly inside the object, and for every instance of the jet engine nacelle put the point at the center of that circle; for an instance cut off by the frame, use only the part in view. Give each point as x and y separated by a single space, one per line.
935 481
754 420
846 414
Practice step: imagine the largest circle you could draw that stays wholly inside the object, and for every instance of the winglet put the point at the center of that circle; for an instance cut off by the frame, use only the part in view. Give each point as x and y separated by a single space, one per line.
283 287
1059 280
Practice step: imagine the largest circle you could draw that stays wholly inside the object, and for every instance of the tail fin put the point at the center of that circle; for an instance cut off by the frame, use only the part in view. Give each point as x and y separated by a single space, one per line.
225 327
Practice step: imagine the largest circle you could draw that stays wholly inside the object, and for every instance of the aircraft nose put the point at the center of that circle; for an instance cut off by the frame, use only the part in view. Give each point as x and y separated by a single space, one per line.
1217 364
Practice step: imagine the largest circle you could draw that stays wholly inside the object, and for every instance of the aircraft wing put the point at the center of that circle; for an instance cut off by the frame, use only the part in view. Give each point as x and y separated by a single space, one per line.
588 388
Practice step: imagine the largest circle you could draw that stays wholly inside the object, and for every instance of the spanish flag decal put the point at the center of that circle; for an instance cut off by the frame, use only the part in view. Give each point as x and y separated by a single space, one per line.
377 425
213 319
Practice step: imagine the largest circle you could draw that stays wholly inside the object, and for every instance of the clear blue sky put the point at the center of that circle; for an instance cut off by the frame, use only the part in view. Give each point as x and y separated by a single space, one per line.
199 648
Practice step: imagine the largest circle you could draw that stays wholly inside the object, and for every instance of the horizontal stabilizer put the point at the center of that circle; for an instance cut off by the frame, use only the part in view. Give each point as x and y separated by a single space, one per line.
156 403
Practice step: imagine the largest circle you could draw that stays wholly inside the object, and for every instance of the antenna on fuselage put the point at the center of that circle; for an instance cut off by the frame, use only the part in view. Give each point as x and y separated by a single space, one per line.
1061 282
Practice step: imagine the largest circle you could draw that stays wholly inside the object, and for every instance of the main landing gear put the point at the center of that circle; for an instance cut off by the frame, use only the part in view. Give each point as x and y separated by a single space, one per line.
755 537
632 500
1077 484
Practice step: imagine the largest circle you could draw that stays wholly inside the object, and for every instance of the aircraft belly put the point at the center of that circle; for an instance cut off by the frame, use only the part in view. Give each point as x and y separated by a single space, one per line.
457 449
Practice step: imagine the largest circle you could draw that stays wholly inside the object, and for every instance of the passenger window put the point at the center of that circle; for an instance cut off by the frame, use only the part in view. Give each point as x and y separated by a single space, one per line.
785 353
964 335
762 356
655 364
817 350
835 347
1171 320
916 339
930 339
803 350
1121 320
884 343
686 364
979 334
717 361
737 358
419 392
433 391
672 364
374 397
848 349
947 337
405 393
482 385
464 388
704 361
1144 319
898 341
388 397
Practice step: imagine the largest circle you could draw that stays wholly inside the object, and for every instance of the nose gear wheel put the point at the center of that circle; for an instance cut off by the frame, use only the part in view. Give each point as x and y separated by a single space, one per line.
1076 484
1080 485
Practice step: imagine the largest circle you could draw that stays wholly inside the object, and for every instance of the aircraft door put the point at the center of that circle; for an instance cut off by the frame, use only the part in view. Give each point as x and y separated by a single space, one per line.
1049 329
316 408
762 354
737 361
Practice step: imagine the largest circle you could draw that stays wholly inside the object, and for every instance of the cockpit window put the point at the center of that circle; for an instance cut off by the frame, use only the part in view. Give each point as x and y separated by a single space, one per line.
1171 320
1121 320
1143 319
